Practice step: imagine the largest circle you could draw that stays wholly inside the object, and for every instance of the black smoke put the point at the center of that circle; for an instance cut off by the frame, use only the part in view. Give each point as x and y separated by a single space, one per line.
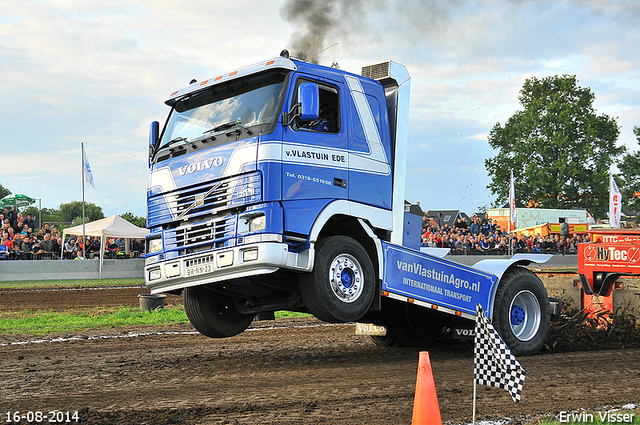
318 24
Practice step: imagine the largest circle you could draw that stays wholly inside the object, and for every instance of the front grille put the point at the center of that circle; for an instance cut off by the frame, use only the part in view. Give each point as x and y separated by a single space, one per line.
199 202
207 259
210 234
214 198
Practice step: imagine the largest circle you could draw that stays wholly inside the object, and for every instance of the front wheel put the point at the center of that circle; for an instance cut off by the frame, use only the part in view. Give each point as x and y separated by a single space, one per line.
521 311
212 314
341 286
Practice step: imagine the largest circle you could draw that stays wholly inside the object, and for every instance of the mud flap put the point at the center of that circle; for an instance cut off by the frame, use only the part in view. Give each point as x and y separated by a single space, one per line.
555 307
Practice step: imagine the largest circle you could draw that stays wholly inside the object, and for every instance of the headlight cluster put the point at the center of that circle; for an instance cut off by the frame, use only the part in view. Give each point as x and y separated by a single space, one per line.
258 222
154 245
252 222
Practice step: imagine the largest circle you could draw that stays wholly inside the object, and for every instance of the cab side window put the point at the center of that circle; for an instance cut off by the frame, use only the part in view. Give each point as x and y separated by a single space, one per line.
329 119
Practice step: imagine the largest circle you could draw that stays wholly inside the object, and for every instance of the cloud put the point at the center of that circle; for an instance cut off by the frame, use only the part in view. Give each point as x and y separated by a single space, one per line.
100 71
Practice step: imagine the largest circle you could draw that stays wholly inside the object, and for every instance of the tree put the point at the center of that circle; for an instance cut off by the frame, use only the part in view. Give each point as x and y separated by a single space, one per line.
4 191
134 219
629 178
559 149
48 214
70 211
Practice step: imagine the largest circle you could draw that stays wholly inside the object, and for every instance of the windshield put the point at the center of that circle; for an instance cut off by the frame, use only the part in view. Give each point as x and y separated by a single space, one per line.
244 103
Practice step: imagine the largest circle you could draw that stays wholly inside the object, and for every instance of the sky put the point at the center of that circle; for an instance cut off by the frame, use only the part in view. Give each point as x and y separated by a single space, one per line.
98 72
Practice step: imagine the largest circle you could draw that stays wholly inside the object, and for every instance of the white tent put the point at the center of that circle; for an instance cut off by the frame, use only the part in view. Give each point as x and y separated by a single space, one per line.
110 227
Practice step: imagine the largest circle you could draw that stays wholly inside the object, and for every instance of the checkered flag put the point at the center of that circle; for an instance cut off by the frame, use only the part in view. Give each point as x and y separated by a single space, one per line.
494 365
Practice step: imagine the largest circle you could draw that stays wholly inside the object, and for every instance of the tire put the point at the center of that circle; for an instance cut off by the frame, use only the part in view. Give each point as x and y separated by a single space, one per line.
212 314
409 326
342 284
521 311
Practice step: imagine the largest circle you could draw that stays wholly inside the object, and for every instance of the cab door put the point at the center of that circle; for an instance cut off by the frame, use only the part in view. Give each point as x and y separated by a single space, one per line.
314 158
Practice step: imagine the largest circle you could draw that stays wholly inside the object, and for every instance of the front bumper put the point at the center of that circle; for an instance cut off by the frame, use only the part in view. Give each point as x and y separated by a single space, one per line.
223 264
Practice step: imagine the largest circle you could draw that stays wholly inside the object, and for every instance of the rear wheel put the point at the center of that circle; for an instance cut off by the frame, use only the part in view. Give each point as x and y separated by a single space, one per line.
214 315
341 286
521 311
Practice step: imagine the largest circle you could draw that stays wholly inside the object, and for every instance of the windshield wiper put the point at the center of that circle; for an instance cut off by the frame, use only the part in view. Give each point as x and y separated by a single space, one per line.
172 142
228 126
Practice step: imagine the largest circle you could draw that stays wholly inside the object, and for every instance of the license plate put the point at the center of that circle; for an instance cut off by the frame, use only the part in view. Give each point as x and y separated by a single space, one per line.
197 270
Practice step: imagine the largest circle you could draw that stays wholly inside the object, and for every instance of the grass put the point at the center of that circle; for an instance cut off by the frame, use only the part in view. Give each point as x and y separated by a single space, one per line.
72 283
49 322
46 322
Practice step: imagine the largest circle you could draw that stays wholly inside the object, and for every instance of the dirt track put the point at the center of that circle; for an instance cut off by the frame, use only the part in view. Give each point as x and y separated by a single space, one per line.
73 298
301 372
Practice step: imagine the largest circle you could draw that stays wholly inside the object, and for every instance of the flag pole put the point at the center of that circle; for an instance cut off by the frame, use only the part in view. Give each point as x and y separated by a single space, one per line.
512 203
475 387
83 220
475 337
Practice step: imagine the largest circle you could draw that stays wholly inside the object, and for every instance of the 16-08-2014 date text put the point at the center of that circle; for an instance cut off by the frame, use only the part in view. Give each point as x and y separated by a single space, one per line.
50 417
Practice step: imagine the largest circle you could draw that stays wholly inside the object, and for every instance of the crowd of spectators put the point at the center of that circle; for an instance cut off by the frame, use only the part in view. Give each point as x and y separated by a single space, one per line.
20 240
484 236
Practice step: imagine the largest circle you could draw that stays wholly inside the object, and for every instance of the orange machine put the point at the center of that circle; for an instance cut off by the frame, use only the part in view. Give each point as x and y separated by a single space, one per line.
610 255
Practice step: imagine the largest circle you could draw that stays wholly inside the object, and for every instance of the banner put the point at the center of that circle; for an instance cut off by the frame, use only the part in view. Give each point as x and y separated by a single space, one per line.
615 204
512 204
435 280
86 169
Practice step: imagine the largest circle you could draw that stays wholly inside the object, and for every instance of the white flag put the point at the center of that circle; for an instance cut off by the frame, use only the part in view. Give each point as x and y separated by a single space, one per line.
615 203
86 169
494 365
512 204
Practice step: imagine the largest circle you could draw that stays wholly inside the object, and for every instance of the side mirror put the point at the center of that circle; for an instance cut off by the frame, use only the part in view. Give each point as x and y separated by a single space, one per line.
154 133
309 99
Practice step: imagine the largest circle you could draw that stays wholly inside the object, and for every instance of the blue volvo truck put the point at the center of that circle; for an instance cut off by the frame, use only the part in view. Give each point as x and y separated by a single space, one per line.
280 186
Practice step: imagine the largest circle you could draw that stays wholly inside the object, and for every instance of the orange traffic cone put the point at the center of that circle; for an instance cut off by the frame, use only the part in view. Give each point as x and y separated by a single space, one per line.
425 404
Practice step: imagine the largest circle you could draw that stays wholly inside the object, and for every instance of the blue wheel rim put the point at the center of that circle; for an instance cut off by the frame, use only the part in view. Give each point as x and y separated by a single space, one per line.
525 315
517 315
346 278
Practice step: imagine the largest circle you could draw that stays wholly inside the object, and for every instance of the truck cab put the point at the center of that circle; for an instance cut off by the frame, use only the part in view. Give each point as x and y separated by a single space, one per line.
254 166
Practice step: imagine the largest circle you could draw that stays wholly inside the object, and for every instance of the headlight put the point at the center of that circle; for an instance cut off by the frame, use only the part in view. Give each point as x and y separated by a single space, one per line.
258 222
252 222
155 245
154 274
250 255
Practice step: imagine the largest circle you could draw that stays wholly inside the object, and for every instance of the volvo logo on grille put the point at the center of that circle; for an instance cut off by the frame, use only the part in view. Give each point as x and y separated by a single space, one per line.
199 200
201 166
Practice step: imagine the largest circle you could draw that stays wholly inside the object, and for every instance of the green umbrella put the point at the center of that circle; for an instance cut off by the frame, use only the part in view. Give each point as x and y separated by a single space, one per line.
17 200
